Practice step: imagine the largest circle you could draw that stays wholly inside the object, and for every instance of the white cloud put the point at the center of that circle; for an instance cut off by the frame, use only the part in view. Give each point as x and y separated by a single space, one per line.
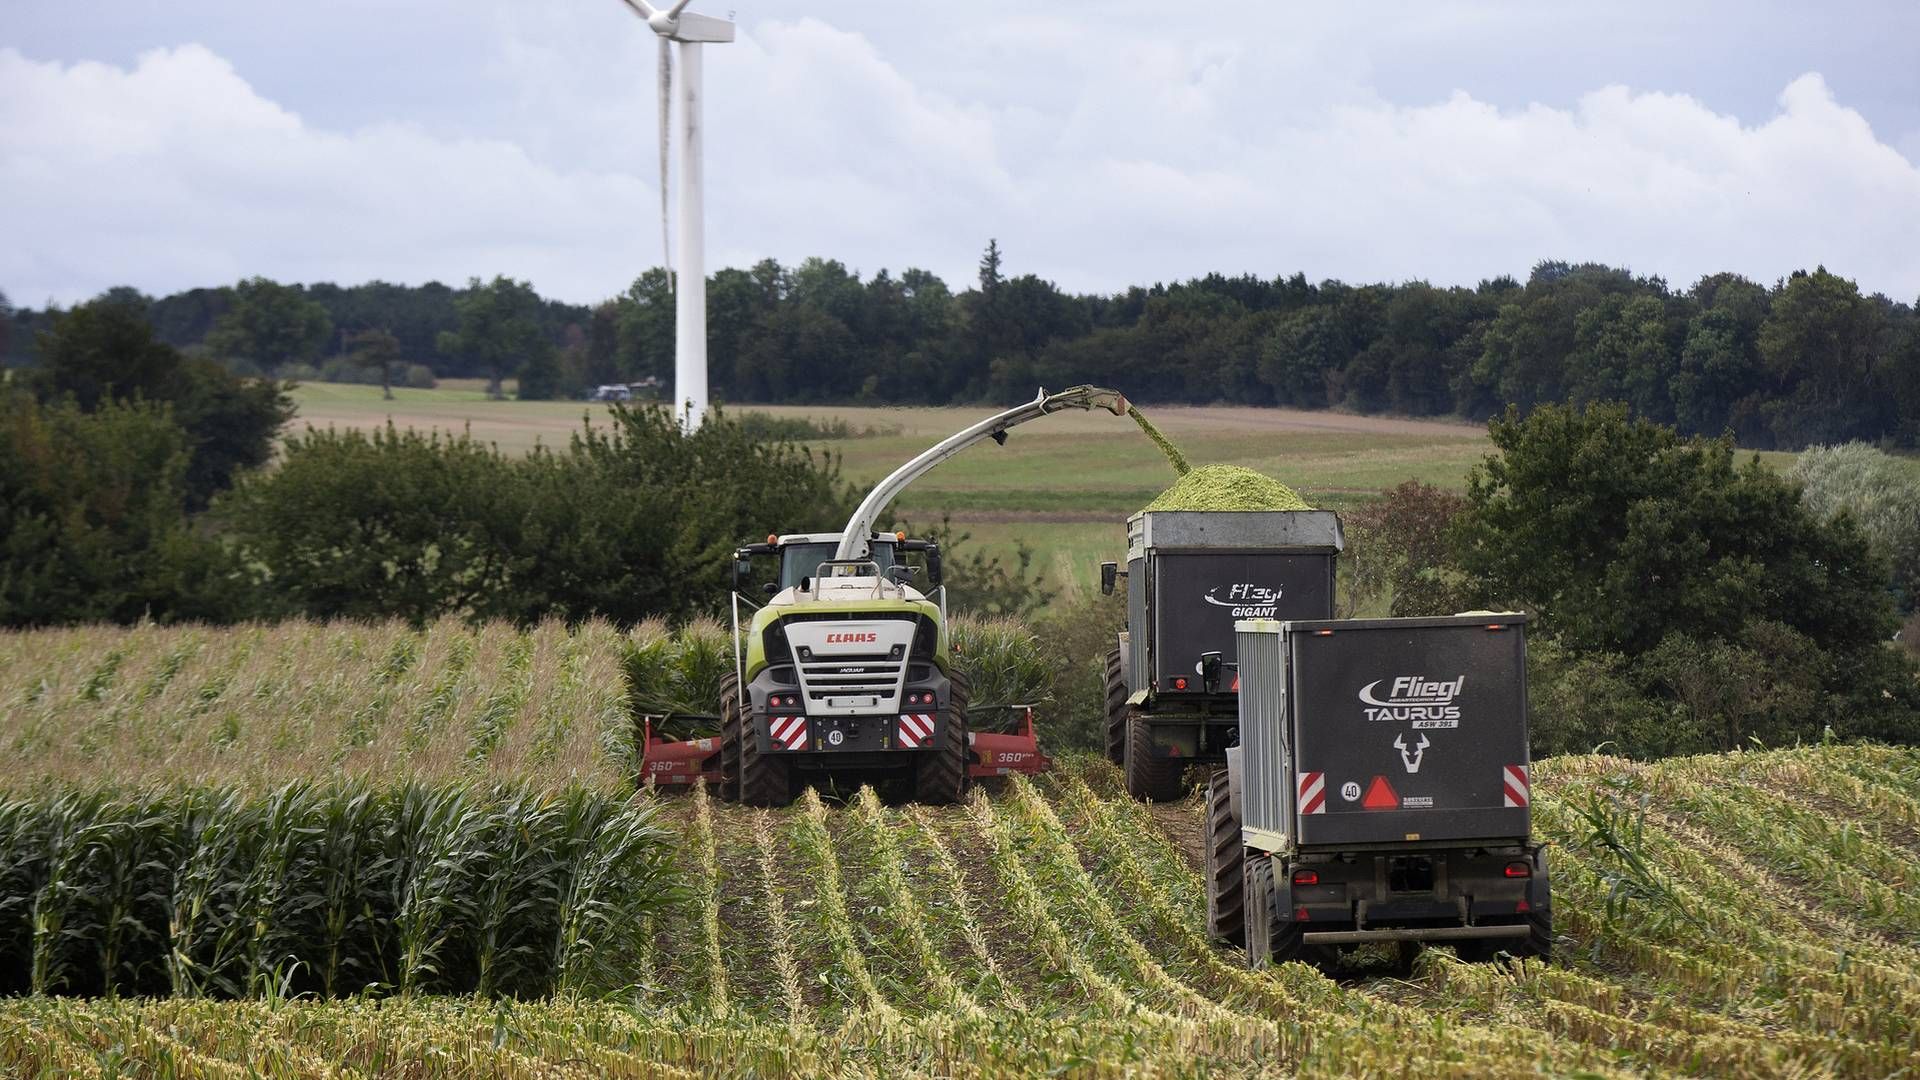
1127 160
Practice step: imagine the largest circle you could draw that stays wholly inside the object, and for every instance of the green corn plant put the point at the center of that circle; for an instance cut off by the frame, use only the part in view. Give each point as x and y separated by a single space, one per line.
348 863
436 834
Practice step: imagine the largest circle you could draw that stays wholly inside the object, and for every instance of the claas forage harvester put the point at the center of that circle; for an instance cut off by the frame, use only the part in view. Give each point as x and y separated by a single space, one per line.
847 673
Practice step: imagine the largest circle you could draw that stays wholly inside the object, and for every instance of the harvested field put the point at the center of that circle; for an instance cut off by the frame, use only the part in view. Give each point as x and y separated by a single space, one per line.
1764 925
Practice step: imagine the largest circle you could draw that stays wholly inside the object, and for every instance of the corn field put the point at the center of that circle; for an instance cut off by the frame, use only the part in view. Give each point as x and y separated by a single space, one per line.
1743 915
260 706
329 891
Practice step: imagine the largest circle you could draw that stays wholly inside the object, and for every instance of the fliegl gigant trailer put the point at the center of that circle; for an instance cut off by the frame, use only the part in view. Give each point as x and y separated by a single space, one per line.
1171 687
1380 792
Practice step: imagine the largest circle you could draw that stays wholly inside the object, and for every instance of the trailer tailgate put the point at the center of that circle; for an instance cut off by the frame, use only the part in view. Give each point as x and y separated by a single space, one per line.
1408 729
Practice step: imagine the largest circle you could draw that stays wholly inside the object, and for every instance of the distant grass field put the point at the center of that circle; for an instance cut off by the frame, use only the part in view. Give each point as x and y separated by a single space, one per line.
1063 485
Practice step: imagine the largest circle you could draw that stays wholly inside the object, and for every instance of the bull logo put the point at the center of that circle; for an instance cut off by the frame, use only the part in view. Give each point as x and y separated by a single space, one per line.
1411 758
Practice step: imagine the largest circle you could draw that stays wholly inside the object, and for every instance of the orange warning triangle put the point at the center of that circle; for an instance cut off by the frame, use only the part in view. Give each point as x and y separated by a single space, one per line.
1380 795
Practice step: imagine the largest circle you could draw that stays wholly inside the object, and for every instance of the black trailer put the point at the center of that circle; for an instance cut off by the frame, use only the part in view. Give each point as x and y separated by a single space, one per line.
1381 792
1171 686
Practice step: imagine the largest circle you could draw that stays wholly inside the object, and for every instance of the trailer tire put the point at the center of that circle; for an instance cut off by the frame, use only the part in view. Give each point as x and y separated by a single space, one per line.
1116 709
1149 777
731 730
941 777
1226 865
1540 935
763 779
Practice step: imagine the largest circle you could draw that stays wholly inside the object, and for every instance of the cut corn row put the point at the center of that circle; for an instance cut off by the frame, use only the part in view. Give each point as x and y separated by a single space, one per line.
951 886
707 886
816 848
793 1002
898 907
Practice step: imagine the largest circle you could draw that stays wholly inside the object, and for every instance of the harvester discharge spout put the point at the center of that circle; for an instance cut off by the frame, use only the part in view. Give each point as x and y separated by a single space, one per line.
855 539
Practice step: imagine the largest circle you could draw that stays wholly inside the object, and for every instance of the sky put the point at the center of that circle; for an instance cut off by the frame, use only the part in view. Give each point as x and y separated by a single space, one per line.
168 145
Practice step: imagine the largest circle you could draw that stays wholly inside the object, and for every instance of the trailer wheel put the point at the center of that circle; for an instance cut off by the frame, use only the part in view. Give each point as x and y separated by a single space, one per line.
1116 709
761 779
1226 865
941 777
1149 777
730 733
1540 935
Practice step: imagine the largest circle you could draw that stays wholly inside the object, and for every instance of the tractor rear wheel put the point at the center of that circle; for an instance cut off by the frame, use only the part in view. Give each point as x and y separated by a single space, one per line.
758 778
1116 709
941 776
731 730
1149 777
1226 865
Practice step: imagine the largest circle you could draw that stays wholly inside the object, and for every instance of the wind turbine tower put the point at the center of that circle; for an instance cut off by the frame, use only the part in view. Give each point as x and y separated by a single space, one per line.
691 30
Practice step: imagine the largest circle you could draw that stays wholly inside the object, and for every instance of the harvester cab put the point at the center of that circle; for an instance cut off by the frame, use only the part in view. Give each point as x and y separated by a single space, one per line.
847 671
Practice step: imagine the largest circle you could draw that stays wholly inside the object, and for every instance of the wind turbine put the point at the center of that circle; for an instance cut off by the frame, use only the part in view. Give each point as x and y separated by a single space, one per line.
675 23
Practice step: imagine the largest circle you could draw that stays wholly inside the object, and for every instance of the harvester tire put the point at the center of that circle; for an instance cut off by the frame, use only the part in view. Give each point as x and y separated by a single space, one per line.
1226 865
1149 777
731 730
1116 709
1540 935
941 777
757 778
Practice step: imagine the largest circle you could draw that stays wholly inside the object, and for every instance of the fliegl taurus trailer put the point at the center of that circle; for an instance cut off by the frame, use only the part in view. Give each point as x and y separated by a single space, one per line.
848 673
1380 791
1172 693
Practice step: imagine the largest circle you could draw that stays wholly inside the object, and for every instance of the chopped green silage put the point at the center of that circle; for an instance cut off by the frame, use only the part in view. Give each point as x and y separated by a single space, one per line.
1174 456
1228 487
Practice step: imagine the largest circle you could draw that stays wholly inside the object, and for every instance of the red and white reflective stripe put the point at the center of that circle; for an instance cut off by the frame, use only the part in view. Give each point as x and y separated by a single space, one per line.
916 729
1313 793
789 731
1514 778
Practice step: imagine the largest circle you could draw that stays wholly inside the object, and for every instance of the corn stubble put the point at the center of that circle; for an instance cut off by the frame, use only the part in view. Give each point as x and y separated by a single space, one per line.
1058 927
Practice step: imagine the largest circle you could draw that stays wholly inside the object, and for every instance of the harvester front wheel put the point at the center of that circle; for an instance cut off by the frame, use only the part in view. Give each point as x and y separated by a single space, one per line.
1149 777
730 734
746 772
941 776
1226 865
1116 709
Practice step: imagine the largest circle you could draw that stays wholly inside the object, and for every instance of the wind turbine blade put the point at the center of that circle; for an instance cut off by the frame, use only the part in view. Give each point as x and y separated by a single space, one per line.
678 7
666 140
640 8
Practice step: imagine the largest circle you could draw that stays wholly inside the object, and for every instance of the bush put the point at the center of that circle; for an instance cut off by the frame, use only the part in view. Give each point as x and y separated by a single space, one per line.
1586 702
634 520
1661 566
367 525
418 377
1618 533
1397 551
94 505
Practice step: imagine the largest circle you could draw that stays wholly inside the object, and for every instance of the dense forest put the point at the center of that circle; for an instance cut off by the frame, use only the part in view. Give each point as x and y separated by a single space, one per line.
1808 359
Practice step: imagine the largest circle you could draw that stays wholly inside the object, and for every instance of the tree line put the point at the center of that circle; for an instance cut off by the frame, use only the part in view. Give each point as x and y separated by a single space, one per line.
1809 359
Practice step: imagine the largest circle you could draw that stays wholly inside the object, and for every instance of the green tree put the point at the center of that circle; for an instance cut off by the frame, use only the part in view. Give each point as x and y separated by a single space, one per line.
499 330
385 524
106 351
375 348
93 504
1619 532
270 324
1818 349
